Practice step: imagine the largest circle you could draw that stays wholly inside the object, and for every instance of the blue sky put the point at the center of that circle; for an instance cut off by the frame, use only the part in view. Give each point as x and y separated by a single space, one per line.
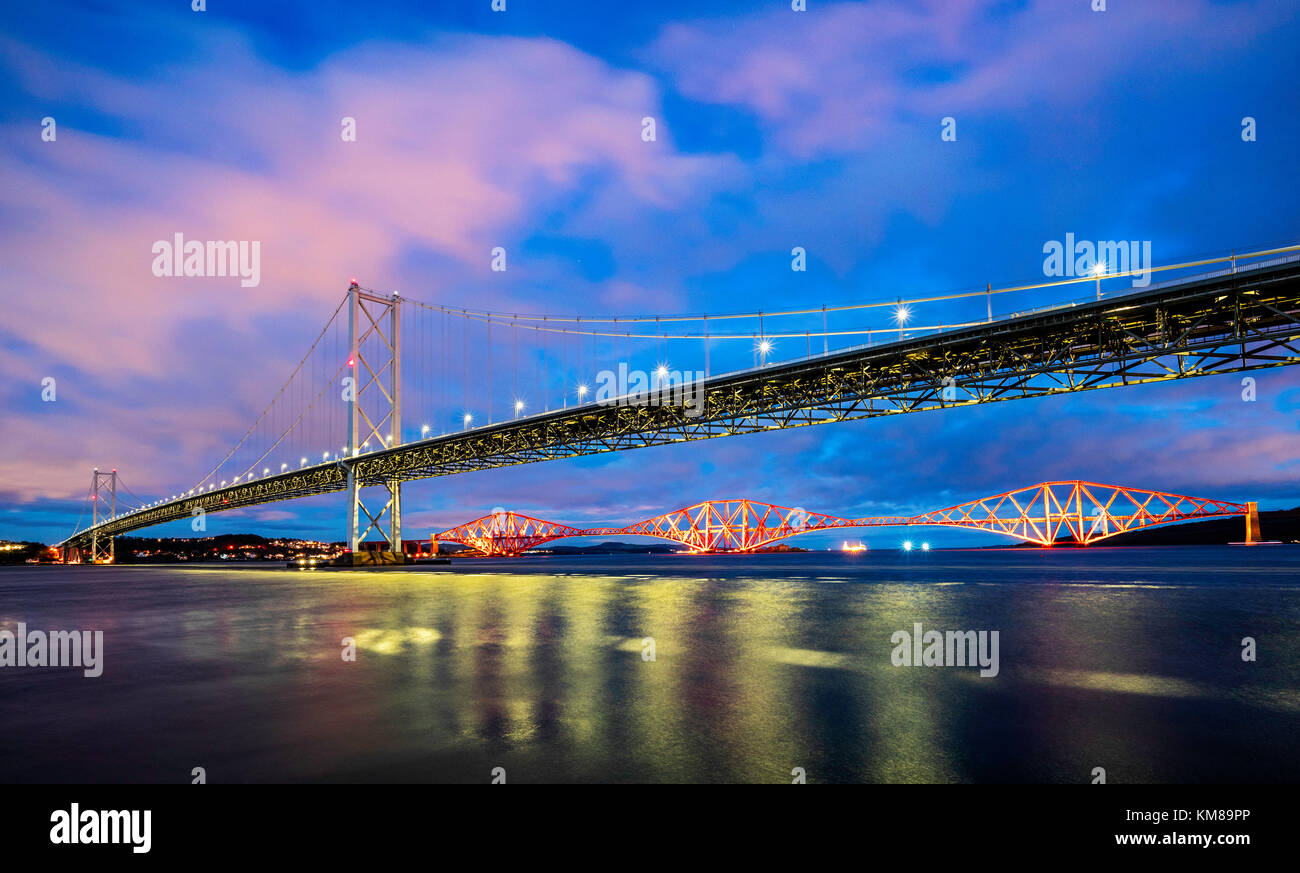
521 129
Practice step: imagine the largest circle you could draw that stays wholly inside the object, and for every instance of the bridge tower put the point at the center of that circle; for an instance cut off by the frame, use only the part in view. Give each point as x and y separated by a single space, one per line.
102 482
375 335
1252 522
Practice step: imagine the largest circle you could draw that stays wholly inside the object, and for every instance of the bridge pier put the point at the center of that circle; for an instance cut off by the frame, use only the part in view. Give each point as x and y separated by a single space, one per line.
1252 523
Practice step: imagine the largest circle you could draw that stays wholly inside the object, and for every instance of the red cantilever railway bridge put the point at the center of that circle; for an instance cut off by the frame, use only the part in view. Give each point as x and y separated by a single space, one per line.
1071 511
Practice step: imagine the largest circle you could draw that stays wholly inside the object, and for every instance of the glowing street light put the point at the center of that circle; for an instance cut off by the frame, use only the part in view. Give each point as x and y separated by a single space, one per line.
582 391
925 547
424 431
901 315
1099 269
519 407
764 346
907 545
283 467
468 419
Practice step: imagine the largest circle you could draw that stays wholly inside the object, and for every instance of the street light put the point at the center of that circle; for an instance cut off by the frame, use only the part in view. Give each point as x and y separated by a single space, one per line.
519 407
901 315
468 419
1099 269
764 346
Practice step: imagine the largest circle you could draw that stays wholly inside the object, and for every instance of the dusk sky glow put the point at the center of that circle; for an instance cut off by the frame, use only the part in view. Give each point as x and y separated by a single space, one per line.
523 130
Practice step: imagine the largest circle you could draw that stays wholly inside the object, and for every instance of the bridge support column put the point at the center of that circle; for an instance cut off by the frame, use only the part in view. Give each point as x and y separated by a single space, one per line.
374 419
354 508
102 482
395 515
1252 522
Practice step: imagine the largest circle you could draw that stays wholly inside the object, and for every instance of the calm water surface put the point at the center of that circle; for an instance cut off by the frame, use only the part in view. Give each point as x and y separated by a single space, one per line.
1127 659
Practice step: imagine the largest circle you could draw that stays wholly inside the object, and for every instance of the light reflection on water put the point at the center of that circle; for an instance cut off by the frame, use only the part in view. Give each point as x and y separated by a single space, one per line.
1125 659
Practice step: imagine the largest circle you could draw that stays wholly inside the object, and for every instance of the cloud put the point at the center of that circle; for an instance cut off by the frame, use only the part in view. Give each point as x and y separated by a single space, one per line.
855 75
462 144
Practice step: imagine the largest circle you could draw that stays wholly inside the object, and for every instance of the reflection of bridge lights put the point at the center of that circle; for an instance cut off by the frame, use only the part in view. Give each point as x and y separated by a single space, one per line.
907 545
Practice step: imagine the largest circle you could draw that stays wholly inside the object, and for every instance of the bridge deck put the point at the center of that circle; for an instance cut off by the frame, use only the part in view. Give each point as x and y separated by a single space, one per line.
1220 323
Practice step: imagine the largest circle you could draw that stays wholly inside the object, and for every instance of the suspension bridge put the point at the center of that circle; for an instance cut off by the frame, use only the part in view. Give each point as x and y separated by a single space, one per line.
395 389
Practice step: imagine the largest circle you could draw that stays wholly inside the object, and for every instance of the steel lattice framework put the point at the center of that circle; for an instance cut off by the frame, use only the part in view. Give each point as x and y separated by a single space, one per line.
733 525
1231 322
507 533
1084 512
1072 511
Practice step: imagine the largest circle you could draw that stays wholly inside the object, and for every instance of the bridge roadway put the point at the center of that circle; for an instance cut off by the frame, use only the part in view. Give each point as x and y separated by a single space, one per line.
1219 323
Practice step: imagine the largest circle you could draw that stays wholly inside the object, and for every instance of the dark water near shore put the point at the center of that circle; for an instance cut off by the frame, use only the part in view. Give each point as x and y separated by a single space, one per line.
1127 659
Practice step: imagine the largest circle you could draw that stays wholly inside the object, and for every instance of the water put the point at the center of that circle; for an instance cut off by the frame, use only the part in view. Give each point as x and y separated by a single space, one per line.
1126 659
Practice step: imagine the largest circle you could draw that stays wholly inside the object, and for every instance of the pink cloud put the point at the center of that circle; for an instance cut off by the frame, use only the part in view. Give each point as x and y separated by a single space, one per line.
460 147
